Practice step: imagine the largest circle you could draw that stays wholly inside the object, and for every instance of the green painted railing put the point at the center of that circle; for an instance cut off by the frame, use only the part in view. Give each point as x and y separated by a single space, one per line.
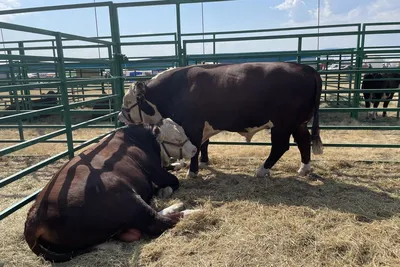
342 93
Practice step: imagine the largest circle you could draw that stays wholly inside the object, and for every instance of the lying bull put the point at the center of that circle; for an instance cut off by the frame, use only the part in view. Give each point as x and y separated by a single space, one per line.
243 98
104 192
380 81
45 102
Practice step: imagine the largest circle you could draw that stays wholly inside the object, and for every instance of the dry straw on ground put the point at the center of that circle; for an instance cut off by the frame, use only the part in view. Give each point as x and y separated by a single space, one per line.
347 214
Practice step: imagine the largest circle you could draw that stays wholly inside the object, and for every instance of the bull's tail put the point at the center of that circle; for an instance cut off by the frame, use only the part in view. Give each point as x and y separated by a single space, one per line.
33 234
316 142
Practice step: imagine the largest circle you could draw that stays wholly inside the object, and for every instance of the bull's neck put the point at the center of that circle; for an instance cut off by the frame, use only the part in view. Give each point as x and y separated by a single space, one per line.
166 99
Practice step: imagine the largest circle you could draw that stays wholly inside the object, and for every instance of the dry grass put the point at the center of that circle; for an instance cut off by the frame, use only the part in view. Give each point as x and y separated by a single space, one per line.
346 214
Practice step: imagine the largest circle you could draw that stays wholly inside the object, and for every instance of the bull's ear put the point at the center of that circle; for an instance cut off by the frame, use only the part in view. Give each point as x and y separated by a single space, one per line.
140 88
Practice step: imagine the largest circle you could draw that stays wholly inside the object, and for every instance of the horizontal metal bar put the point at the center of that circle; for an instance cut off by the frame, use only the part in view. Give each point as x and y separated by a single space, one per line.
164 2
357 109
28 57
31 142
51 8
149 43
294 144
145 35
19 205
7 88
343 91
16 27
322 127
51 126
31 113
95 80
77 104
57 141
370 32
92 37
29 48
381 23
274 29
286 36
86 39
36 140
58 95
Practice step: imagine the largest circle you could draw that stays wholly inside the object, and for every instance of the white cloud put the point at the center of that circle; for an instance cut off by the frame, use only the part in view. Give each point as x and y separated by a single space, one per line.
297 9
375 11
7 5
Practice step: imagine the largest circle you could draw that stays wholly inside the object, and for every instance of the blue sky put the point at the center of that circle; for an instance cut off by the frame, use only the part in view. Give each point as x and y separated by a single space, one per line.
220 16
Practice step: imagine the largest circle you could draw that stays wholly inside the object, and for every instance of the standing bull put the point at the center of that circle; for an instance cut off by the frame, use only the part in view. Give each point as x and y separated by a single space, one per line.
380 81
104 192
243 98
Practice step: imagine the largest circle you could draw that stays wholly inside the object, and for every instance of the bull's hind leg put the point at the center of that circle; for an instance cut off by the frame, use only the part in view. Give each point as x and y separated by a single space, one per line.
140 218
302 138
280 144
174 212
386 103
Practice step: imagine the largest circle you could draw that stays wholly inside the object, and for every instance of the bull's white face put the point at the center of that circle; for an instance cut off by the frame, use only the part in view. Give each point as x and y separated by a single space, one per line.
136 109
174 142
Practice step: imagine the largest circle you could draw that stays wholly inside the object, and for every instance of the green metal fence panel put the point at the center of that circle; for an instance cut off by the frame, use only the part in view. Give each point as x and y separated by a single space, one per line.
341 93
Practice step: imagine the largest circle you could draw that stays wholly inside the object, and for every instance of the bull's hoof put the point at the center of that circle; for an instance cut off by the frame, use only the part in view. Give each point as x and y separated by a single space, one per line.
263 173
165 192
178 165
305 169
203 165
171 209
191 174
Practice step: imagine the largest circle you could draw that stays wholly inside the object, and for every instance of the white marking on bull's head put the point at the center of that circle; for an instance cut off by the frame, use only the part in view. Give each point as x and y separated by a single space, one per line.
174 142
136 109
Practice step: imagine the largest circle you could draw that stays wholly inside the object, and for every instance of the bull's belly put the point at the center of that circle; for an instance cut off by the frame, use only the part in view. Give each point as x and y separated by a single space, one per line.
247 132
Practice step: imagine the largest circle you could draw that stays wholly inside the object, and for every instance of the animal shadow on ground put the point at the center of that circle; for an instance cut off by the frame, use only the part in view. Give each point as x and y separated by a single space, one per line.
313 191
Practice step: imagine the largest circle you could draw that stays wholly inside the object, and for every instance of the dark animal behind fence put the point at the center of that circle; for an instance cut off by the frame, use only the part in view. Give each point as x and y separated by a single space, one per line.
380 81
44 102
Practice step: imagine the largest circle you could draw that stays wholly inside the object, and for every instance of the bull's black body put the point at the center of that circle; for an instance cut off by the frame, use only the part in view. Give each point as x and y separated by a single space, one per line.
233 97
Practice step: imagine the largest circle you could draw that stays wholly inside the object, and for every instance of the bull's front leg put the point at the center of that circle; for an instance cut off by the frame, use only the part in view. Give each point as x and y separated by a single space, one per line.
164 183
195 134
194 165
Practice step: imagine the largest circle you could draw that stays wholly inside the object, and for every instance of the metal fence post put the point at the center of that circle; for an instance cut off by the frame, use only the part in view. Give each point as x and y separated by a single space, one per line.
116 69
178 33
357 78
299 45
64 95
15 94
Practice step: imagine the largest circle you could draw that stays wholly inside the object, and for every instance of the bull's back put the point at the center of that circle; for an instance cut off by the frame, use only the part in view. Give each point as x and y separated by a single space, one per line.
253 91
